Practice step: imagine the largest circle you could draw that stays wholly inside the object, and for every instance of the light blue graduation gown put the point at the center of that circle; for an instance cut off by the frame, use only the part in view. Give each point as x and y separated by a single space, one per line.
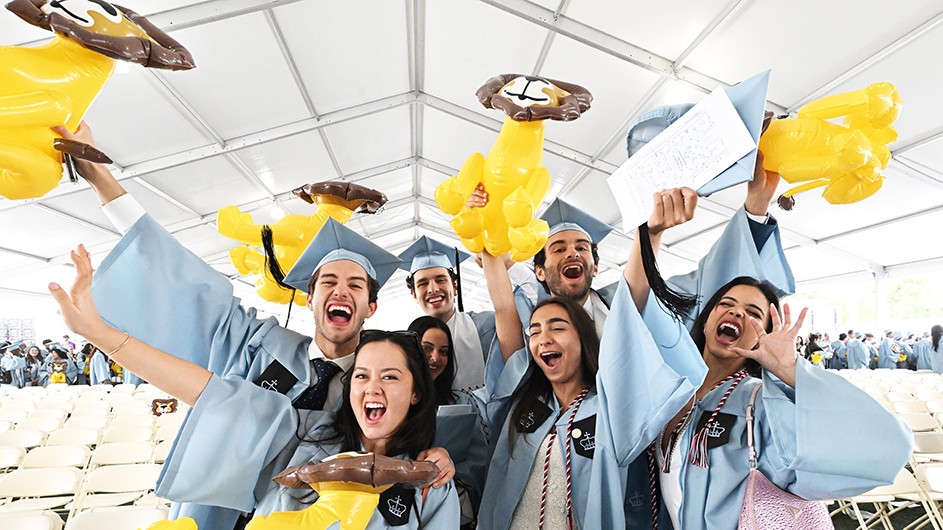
794 431
637 391
464 436
262 437
886 356
858 355
17 368
839 358
183 306
98 371
927 358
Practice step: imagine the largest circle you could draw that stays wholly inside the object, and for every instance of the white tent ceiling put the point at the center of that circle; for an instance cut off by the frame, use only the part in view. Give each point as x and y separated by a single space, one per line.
288 92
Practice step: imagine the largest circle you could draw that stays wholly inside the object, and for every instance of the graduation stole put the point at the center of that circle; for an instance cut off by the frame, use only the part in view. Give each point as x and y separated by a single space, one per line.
699 442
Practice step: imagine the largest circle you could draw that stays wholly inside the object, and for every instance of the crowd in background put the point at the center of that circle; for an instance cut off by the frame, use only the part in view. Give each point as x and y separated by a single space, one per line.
893 350
25 364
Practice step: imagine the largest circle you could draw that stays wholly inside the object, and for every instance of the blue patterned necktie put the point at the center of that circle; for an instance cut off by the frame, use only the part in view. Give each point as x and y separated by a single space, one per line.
316 395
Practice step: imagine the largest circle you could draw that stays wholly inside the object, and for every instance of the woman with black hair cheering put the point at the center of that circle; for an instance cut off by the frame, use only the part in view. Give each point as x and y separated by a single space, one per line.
568 413
763 413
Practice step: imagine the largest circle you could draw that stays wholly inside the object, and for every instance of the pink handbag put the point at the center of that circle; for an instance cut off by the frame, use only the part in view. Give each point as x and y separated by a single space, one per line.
765 506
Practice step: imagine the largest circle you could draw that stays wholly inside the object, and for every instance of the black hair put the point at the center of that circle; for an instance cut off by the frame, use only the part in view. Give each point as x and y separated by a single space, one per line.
768 290
842 336
373 286
936 332
540 260
536 387
443 385
60 352
88 350
418 429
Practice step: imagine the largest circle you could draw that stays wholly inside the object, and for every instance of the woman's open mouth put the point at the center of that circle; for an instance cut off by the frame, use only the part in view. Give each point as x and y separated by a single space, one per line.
551 358
373 411
728 333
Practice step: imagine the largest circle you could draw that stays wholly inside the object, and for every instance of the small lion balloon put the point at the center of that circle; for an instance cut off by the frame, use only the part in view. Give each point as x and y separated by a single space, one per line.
56 83
512 173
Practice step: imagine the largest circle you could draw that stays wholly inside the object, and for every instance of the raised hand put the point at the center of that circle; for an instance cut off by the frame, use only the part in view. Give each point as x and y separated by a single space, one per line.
776 350
672 207
761 189
77 306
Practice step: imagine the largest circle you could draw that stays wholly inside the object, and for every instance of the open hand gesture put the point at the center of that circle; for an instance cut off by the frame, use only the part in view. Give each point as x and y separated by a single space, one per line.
776 350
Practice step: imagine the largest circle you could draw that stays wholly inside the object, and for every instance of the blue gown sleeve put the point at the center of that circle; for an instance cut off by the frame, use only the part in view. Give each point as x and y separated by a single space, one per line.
797 427
639 388
233 441
736 254
179 304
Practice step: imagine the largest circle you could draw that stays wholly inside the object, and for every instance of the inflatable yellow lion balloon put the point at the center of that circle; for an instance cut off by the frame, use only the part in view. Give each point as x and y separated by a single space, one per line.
349 487
55 84
512 173
846 159
291 234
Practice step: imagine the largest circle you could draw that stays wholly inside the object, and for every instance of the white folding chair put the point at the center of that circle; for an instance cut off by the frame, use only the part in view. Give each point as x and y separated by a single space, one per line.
57 456
128 434
131 407
14 415
70 436
55 404
905 487
116 485
22 438
38 520
49 413
10 457
123 453
123 388
5 426
919 421
52 486
162 450
117 518
132 421
934 405
903 407
167 432
86 422
45 425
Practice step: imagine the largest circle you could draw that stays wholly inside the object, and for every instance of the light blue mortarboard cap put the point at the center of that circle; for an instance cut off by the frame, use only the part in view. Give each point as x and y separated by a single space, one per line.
748 98
427 253
561 216
336 242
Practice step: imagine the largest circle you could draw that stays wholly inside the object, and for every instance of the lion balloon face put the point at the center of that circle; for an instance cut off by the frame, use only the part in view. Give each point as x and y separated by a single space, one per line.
530 90
96 16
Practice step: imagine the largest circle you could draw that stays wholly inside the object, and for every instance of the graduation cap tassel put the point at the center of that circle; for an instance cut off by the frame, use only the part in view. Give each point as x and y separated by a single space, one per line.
291 302
271 262
458 281
679 304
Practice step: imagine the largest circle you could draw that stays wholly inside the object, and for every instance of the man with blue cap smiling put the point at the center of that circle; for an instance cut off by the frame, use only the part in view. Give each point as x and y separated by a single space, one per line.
434 282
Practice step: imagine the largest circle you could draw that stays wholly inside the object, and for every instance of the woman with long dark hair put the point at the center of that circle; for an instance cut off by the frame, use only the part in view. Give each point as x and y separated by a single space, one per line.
569 414
436 341
703 456
34 366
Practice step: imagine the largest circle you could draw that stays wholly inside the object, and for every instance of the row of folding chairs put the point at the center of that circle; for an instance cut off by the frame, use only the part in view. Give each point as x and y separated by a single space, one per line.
82 456
112 518
70 490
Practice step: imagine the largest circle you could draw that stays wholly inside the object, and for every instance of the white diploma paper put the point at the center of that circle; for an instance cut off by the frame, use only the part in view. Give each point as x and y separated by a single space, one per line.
697 147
